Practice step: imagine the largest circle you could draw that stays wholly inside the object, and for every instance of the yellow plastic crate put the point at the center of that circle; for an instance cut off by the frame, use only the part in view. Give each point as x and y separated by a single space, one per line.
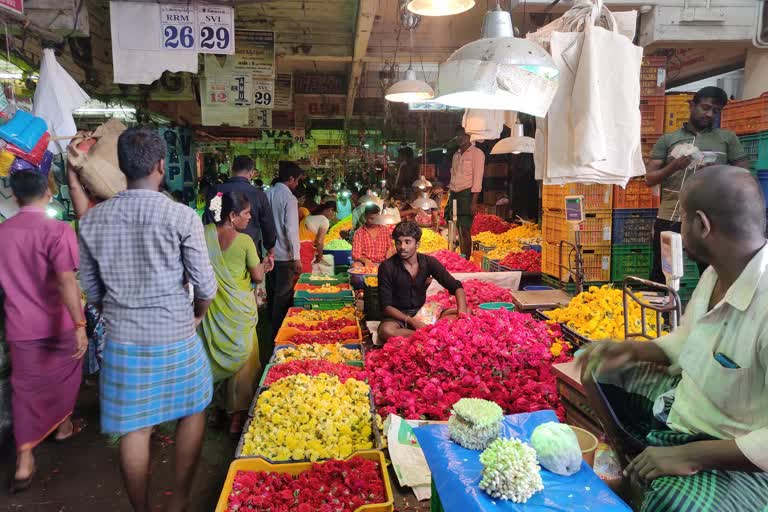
597 262
596 228
596 197
677 111
294 468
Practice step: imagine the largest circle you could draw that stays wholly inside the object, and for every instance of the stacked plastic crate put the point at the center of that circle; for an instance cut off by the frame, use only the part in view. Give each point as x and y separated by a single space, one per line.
653 84
634 212
595 234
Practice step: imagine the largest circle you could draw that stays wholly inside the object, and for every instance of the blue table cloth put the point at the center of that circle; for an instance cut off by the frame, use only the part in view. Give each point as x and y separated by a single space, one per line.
456 473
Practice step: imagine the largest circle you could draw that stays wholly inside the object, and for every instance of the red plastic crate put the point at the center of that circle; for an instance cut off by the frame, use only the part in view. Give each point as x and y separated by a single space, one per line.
637 195
652 115
746 117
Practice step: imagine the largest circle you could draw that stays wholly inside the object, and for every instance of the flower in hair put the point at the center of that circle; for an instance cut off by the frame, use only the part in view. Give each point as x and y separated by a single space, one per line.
215 207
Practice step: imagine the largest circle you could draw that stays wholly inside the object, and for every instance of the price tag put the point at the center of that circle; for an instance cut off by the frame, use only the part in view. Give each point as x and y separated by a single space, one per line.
242 90
217 93
215 29
263 93
177 24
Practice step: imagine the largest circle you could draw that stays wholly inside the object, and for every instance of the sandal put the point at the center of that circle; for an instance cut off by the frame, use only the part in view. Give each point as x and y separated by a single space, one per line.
23 484
78 426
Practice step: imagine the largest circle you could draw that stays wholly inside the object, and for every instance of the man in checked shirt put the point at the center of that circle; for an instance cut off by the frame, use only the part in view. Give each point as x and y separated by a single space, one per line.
138 251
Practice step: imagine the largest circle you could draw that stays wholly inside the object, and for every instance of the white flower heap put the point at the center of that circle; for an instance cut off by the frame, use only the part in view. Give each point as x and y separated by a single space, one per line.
510 471
474 423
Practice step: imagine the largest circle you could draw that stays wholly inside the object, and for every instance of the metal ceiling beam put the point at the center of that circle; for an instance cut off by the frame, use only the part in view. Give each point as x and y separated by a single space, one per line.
366 13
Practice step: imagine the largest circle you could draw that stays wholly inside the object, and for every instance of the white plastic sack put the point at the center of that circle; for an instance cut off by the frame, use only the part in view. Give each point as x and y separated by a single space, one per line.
408 460
324 267
508 280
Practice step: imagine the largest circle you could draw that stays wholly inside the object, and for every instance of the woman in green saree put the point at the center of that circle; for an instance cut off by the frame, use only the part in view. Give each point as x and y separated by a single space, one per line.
229 326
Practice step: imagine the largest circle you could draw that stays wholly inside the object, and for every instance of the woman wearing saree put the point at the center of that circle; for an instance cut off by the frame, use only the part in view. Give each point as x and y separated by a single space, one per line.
229 326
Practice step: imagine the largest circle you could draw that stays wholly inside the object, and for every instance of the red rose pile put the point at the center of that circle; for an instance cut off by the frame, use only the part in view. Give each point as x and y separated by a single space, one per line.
314 367
478 292
484 222
322 337
333 486
325 325
454 262
501 356
527 261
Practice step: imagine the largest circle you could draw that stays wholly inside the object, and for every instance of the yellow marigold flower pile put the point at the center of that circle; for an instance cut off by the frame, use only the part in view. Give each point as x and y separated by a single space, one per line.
598 314
332 352
334 233
303 417
432 242
510 241
372 281
313 315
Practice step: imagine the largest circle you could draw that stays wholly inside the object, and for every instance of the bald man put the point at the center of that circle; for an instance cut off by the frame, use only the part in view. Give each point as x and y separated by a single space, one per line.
704 429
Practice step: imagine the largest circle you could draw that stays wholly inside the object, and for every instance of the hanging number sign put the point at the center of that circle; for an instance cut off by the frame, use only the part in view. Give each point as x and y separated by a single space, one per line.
242 90
204 28
263 93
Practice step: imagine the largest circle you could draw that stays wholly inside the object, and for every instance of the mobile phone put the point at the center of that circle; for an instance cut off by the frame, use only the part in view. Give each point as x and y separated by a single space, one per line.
725 361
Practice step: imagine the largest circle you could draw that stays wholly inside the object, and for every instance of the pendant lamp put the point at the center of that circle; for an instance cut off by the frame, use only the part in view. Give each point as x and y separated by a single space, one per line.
409 90
439 7
422 183
516 143
425 203
499 71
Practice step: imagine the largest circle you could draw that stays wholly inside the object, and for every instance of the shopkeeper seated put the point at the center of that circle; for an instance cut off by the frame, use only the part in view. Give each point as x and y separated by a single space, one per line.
403 282
702 425
372 243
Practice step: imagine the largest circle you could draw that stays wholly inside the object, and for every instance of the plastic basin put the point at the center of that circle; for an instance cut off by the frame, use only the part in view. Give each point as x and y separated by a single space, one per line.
588 444
537 288
494 306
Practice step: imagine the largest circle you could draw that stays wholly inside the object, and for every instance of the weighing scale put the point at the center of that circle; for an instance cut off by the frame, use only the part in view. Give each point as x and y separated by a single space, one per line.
574 215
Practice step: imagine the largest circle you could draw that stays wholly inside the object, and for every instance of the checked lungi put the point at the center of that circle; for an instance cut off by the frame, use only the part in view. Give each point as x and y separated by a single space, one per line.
145 385
707 491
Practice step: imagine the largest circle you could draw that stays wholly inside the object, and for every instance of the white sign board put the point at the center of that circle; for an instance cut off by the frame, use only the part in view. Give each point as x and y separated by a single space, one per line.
263 93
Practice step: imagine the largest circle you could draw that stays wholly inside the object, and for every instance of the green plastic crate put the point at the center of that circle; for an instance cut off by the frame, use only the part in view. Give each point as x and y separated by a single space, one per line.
569 288
686 289
434 503
487 262
631 260
756 146
690 268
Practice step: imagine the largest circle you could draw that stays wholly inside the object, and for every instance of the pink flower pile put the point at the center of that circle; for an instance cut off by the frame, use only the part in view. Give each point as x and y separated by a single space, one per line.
454 262
478 292
314 367
498 355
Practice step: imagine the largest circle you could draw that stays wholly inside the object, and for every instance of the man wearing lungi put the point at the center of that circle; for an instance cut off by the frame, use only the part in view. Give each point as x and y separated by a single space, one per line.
694 403
138 252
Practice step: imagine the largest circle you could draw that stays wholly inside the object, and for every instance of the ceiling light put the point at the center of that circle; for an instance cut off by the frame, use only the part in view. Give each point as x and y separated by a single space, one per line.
422 183
409 90
499 72
439 7
515 144
424 203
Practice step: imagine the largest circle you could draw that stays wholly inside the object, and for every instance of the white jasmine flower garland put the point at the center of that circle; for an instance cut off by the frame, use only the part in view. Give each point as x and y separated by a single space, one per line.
474 423
510 471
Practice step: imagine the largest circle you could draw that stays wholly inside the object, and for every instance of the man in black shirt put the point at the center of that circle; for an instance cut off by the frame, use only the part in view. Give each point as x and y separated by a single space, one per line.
403 282
262 225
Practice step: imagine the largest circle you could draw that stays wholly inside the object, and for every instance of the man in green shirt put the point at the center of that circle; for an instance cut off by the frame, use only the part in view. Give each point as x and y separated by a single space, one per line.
671 173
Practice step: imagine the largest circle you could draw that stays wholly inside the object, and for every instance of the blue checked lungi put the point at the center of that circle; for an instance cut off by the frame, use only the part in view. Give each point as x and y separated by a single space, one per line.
145 385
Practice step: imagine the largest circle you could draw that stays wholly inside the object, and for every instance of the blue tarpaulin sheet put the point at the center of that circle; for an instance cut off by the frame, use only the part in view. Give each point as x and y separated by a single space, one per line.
456 473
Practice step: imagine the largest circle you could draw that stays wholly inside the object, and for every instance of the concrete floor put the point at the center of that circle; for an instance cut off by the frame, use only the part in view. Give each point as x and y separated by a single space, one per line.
83 475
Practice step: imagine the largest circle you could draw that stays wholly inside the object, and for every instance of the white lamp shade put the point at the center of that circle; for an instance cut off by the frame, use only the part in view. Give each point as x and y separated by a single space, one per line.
424 203
422 183
514 145
439 7
499 72
409 90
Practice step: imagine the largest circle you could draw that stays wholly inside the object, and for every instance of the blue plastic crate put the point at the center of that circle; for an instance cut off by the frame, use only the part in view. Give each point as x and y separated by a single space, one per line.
633 227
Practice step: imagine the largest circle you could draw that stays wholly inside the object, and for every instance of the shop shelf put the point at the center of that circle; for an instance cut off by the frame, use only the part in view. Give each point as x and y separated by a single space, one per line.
371 304
636 195
677 111
634 226
631 260
352 346
652 115
653 76
295 468
284 334
746 117
595 230
597 262
756 147
596 197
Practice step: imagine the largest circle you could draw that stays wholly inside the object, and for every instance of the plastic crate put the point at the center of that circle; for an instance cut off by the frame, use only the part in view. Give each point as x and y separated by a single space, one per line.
335 279
633 226
311 287
294 468
637 195
687 286
596 197
690 269
756 147
296 310
597 262
352 335
496 266
653 76
371 304
596 228
340 256
269 366
569 288
652 115
677 111
354 346
486 264
746 117
631 260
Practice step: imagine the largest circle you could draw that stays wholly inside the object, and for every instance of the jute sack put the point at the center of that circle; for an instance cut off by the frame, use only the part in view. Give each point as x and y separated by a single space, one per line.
93 156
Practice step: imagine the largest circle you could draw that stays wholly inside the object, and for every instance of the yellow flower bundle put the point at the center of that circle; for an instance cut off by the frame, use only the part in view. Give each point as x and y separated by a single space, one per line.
303 417
313 315
598 314
372 281
332 352
432 242
334 233
509 241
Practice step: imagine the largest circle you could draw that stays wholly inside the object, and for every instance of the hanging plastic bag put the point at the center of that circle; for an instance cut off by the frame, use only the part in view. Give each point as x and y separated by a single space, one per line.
324 267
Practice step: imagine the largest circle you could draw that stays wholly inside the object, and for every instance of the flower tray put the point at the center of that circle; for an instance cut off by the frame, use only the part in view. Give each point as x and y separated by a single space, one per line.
354 346
351 335
294 468
296 310
332 280
576 339
311 287
269 366
376 434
